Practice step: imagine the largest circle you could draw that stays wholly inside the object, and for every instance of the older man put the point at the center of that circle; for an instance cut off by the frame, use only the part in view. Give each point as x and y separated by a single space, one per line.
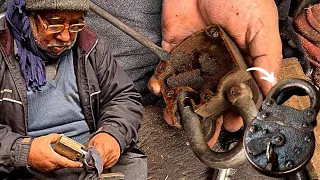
57 77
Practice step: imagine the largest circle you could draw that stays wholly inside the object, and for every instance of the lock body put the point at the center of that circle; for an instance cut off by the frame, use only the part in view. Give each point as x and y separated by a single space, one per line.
280 141
69 148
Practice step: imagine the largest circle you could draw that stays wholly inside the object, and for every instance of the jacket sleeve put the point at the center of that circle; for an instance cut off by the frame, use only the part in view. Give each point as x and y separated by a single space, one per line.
121 111
14 151
14 147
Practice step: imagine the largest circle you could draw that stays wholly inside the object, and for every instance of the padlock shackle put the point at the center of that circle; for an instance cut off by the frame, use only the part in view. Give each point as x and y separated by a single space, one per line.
295 86
192 126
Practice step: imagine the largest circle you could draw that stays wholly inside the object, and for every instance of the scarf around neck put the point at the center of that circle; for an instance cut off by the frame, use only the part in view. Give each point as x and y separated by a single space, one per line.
31 58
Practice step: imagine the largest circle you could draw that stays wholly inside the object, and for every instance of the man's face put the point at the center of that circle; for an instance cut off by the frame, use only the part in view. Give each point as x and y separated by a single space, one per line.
56 31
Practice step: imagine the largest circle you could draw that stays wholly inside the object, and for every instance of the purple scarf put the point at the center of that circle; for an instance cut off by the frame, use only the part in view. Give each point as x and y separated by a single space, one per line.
32 59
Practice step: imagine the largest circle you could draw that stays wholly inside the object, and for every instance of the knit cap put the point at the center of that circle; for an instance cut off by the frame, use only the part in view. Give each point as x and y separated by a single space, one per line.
62 5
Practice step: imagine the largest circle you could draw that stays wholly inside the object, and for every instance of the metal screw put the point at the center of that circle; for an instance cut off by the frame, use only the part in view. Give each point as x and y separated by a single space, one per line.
161 68
289 164
235 91
170 94
213 32
216 34
278 139
307 138
253 128
207 97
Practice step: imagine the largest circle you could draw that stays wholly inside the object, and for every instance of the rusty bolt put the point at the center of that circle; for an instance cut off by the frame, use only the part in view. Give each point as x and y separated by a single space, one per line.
278 139
207 97
213 32
253 128
161 68
235 91
170 94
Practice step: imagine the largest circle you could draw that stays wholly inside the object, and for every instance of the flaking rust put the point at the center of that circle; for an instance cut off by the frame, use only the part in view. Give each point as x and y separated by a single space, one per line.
206 65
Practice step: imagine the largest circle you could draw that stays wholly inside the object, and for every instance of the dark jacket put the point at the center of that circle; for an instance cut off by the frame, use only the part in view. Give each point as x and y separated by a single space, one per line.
108 98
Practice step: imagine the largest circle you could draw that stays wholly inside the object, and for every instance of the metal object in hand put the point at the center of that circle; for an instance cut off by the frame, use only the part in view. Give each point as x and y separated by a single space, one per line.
69 148
280 140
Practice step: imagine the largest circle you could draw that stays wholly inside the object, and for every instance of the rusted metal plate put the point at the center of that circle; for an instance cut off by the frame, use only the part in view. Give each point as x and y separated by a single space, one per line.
291 68
206 64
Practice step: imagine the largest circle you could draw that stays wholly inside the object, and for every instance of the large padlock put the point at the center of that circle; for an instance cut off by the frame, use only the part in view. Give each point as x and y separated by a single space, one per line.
280 140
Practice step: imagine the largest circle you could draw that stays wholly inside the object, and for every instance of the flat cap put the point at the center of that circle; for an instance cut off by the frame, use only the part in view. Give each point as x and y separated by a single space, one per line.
61 5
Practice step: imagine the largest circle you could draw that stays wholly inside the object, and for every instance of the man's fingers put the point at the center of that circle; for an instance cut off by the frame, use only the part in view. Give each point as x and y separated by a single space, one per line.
270 63
154 85
102 154
64 162
53 137
264 85
265 46
111 161
232 121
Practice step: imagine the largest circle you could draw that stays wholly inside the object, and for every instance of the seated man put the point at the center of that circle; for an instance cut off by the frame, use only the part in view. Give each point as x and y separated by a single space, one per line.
57 77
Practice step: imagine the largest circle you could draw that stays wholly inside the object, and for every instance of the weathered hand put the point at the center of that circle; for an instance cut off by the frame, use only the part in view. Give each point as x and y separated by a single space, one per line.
253 25
108 147
43 158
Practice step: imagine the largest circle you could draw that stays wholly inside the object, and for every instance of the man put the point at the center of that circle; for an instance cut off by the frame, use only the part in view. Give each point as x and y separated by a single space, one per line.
57 77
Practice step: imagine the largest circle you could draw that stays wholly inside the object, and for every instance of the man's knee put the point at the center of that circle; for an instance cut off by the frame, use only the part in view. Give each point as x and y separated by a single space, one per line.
132 164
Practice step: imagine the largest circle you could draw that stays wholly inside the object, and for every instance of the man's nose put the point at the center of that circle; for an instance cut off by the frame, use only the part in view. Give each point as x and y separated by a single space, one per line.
64 35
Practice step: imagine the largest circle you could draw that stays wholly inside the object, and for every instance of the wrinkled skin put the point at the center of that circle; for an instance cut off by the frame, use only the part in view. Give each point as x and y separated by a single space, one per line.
108 147
55 43
253 25
42 158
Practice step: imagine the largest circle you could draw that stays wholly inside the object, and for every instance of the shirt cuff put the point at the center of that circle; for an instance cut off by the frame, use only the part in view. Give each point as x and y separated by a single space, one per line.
21 152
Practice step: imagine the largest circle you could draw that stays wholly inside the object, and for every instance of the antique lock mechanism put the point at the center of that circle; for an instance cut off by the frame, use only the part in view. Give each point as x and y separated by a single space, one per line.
280 140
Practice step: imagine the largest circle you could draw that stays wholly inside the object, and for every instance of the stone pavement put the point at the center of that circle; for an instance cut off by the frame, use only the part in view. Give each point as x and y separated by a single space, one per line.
169 154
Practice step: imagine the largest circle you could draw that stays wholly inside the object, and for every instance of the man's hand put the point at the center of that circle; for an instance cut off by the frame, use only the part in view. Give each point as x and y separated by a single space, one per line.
253 26
108 148
43 158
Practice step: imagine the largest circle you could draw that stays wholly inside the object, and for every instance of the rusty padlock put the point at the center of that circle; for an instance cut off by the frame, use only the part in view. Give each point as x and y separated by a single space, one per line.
280 140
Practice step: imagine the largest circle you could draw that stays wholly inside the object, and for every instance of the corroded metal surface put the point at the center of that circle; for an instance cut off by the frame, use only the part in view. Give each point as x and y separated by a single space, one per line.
206 65
280 140
240 96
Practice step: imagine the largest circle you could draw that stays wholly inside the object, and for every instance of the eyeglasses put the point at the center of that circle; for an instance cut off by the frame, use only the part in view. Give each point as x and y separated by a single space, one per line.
57 28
